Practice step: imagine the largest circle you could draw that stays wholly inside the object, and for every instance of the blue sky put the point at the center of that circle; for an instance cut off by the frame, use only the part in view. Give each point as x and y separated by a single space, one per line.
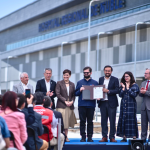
9 6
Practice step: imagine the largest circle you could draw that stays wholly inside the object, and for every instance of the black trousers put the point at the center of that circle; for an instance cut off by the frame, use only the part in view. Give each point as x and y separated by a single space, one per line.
107 111
86 114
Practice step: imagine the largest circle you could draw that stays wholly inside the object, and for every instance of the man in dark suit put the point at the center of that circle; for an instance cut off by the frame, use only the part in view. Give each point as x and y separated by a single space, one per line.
108 105
48 104
47 86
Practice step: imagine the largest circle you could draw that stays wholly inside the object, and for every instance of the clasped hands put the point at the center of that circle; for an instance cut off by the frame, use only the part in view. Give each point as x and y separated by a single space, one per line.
123 86
104 90
49 93
68 103
143 90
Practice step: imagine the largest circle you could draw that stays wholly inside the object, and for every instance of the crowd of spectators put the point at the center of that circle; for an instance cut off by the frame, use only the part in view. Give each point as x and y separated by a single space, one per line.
18 114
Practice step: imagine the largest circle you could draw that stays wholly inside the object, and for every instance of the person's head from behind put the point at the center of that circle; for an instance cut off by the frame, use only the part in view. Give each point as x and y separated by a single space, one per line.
24 78
66 74
47 102
47 73
10 100
108 71
22 101
1 97
128 78
147 74
39 97
87 71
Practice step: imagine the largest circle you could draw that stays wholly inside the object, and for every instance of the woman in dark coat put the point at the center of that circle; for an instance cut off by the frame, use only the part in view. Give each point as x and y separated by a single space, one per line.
127 124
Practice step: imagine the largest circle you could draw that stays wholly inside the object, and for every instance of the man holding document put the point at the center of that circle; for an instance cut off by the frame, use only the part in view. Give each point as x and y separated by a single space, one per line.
86 106
108 105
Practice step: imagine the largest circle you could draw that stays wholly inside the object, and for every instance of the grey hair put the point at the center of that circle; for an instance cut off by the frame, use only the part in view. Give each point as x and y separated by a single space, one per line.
148 69
49 69
22 74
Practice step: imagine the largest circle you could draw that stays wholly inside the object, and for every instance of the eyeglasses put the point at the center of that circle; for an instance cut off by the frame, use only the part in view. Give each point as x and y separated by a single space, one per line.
146 73
86 72
126 77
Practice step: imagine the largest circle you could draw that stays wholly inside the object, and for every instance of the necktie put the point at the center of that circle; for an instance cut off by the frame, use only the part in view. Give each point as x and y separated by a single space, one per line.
147 85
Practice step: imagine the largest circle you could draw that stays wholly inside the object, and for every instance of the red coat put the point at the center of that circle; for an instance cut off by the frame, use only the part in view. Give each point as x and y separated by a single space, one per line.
47 117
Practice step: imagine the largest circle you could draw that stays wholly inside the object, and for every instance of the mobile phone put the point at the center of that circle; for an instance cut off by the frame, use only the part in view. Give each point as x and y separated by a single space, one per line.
27 93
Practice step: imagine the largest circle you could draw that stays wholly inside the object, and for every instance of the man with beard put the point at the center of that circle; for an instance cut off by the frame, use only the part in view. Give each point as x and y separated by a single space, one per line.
86 107
108 105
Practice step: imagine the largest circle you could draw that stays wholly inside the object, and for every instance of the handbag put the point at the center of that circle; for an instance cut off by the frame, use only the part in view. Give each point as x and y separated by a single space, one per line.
2 142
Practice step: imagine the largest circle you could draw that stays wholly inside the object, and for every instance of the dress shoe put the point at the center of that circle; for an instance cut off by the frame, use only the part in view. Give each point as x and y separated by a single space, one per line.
90 139
83 139
123 140
113 140
104 139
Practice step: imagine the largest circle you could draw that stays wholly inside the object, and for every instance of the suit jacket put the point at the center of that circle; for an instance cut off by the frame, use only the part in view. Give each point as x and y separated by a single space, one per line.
29 116
18 88
17 125
58 115
41 87
62 95
38 129
113 88
146 97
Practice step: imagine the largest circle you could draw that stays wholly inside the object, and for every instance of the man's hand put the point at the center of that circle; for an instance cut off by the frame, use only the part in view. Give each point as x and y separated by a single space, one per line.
81 89
70 103
143 91
24 94
105 90
98 99
29 100
48 93
51 94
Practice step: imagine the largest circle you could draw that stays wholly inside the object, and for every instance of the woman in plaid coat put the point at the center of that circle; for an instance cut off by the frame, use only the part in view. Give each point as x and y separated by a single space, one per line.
127 124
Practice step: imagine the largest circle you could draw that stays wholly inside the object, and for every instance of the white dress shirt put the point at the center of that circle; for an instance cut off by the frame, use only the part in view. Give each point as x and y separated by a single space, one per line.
47 85
106 82
24 86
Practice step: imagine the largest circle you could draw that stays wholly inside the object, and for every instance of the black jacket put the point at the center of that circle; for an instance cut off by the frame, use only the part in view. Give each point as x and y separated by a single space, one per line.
113 88
41 87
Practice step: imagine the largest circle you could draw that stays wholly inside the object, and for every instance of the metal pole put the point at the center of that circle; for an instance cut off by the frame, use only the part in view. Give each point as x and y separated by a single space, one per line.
61 60
89 34
7 75
135 48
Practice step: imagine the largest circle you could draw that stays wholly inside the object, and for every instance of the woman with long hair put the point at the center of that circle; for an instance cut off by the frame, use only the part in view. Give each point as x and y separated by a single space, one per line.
127 124
14 119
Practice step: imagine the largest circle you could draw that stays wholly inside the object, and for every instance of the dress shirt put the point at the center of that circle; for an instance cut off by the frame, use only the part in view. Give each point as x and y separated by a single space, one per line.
47 85
24 86
106 82
146 83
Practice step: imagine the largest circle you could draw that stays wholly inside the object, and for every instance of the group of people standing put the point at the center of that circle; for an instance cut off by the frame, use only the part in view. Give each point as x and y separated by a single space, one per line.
65 91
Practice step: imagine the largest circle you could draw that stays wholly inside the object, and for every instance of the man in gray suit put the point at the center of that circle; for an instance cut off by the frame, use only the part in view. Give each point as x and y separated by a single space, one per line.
145 107
23 84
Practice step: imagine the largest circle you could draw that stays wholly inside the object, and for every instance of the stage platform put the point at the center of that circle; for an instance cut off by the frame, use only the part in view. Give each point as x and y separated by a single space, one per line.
75 144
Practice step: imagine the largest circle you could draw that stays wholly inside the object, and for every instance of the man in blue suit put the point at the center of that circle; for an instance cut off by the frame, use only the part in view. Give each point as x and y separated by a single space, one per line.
109 104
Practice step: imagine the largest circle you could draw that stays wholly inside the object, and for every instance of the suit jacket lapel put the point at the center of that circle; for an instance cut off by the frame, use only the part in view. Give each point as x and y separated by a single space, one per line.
102 80
70 89
21 87
51 84
109 82
44 84
64 85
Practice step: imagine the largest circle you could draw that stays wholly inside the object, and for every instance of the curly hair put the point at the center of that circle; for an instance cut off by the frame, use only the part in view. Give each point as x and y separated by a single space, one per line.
132 80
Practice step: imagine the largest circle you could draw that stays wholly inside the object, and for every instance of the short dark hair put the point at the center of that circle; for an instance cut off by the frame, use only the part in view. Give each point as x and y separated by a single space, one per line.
9 100
132 80
1 97
47 101
108 66
22 100
39 97
67 71
85 68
